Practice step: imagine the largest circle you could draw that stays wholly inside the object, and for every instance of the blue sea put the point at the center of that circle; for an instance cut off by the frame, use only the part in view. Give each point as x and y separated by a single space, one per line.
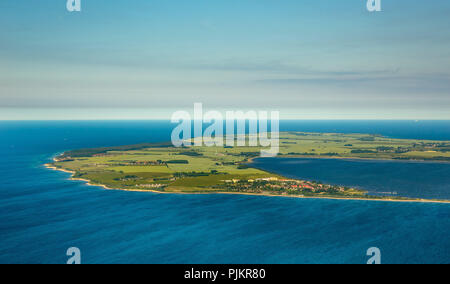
43 213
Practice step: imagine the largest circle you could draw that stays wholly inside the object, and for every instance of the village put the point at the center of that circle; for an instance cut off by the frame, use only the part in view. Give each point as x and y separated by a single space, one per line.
283 186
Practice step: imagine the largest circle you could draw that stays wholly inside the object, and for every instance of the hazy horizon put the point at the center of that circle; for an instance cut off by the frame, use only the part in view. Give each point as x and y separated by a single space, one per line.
130 115
146 59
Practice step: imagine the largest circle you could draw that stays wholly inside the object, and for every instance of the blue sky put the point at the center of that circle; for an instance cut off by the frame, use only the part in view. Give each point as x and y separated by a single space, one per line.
145 58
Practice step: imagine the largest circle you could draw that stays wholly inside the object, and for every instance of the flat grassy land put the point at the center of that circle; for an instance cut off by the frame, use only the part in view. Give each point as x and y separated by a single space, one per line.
163 168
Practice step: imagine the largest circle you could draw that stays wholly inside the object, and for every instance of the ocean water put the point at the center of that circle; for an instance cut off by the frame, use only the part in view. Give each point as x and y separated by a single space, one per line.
43 213
389 178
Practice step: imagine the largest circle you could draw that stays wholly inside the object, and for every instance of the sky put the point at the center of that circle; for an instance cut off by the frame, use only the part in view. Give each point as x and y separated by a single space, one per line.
309 59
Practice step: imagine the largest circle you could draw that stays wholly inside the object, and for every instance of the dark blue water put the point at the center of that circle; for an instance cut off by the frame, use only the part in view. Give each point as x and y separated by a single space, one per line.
42 213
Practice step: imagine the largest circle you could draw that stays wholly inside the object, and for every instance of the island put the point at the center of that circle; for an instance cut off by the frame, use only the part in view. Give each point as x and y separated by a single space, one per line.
163 168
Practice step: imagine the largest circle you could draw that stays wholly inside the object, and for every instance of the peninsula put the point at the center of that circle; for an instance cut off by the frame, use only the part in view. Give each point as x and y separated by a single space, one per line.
163 168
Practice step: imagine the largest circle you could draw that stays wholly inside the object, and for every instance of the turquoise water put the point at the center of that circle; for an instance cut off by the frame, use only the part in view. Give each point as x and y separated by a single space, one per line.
43 213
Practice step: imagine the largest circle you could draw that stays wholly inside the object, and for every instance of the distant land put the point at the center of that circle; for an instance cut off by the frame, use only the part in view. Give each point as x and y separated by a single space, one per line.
163 168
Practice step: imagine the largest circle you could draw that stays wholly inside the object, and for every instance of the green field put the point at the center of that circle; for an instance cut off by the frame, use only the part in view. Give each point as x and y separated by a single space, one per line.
163 168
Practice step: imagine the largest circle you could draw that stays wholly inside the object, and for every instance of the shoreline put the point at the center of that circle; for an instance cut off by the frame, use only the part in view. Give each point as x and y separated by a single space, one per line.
355 159
89 183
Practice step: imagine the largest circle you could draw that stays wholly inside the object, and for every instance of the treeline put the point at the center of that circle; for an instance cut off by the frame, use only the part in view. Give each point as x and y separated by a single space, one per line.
359 151
104 150
177 162
195 174
191 154
250 154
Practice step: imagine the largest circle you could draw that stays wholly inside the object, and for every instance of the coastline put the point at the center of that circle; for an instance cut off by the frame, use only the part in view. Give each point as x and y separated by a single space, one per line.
357 159
89 183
